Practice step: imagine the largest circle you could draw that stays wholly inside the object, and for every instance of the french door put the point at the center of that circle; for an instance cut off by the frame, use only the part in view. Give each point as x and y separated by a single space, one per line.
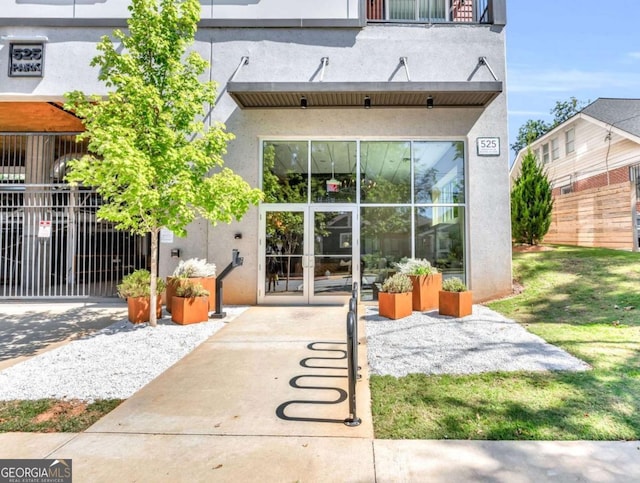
308 253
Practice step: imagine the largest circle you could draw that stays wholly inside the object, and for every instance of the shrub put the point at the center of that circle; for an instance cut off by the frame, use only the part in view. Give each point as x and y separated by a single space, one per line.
454 284
188 289
416 266
398 283
138 284
531 202
195 268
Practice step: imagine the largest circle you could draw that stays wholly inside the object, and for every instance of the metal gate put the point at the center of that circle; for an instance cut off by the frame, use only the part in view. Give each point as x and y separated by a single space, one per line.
51 241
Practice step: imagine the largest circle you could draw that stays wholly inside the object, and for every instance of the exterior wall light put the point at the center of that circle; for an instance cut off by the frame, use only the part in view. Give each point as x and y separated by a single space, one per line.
367 102
303 102
429 102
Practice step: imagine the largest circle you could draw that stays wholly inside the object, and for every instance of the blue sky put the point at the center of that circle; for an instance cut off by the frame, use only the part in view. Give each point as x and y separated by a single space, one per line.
557 49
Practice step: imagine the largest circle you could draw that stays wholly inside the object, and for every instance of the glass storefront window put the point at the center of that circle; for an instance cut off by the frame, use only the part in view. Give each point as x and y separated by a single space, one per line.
285 167
333 171
385 239
385 170
439 237
439 171
411 197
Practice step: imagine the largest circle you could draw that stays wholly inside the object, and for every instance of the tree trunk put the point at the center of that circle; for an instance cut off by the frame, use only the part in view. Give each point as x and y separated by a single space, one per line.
153 320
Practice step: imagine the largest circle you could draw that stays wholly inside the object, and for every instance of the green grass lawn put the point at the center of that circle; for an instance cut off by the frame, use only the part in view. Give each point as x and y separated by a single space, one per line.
52 415
586 301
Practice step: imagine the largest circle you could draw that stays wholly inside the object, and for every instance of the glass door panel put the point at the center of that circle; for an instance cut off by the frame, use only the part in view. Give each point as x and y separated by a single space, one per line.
333 253
308 254
284 253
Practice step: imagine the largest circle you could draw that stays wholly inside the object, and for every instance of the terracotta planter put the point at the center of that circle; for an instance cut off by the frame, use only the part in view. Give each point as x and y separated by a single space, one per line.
189 310
425 291
208 283
394 305
456 304
139 310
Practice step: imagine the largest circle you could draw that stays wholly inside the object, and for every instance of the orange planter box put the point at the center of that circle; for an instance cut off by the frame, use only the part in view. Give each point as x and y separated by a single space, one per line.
394 305
208 283
456 304
189 310
425 291
139 309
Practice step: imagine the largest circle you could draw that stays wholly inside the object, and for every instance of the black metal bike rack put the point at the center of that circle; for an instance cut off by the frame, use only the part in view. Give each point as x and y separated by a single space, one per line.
236 261
352 356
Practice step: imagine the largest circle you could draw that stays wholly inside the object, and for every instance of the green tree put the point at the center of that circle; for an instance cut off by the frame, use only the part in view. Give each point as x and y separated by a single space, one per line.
531 202
563 110
532 130
152 160
529 132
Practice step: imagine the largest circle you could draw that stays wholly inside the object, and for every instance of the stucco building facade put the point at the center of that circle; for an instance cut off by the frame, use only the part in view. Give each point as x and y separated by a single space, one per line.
378 131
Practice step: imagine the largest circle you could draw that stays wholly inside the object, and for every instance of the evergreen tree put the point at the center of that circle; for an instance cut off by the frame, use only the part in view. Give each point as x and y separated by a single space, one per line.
531 202
153 160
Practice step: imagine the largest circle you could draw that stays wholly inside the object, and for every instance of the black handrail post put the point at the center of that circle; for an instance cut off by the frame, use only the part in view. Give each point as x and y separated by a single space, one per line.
352 368
236 261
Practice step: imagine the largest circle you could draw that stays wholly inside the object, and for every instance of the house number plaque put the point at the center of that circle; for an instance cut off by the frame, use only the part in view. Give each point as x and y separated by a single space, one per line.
488 146
26 60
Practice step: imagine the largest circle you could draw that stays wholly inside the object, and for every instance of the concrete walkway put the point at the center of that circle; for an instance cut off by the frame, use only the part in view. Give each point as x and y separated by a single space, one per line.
234 410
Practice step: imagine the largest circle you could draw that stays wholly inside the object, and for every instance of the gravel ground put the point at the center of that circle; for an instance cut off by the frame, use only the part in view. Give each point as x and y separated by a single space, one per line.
482 342
111 363
120 359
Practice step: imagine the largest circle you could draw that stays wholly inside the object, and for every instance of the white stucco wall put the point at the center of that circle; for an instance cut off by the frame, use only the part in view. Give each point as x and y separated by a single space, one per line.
435 53
443 53
214 9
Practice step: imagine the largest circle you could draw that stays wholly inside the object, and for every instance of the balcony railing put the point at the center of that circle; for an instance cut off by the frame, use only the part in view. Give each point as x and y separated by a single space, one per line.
428 11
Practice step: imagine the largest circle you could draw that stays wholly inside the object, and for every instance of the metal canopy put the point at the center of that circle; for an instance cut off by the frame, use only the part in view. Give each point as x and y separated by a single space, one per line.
265 95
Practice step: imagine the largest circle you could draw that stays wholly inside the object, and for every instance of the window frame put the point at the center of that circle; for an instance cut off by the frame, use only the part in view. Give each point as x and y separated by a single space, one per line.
570 142
545 153
555 149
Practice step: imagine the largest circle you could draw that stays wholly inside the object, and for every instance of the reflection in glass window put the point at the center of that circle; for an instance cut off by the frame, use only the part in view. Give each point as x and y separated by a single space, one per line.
385 168
283 251
333 171
285 171
439 171
385 238
411 197
439 237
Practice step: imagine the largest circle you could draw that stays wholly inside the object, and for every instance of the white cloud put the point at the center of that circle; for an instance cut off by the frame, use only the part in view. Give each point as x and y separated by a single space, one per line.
568 80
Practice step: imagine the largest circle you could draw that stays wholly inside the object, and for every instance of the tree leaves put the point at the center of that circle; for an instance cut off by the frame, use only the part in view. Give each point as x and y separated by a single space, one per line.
531 202
152 155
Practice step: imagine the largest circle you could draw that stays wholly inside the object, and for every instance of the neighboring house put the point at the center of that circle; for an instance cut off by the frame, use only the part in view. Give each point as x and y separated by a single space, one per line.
377 129
593 163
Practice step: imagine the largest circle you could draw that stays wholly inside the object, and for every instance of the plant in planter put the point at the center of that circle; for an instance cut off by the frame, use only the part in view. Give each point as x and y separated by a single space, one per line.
455 299
394 298
200 271
135 288
427 282
190 303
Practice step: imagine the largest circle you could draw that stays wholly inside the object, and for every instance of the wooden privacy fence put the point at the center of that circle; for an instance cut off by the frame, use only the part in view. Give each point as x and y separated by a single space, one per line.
598 217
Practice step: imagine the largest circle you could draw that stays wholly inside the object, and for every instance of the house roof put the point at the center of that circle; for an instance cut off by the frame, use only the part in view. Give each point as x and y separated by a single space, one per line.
621 113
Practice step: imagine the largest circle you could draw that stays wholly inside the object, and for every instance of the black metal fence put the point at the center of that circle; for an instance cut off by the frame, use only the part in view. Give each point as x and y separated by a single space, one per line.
52 243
